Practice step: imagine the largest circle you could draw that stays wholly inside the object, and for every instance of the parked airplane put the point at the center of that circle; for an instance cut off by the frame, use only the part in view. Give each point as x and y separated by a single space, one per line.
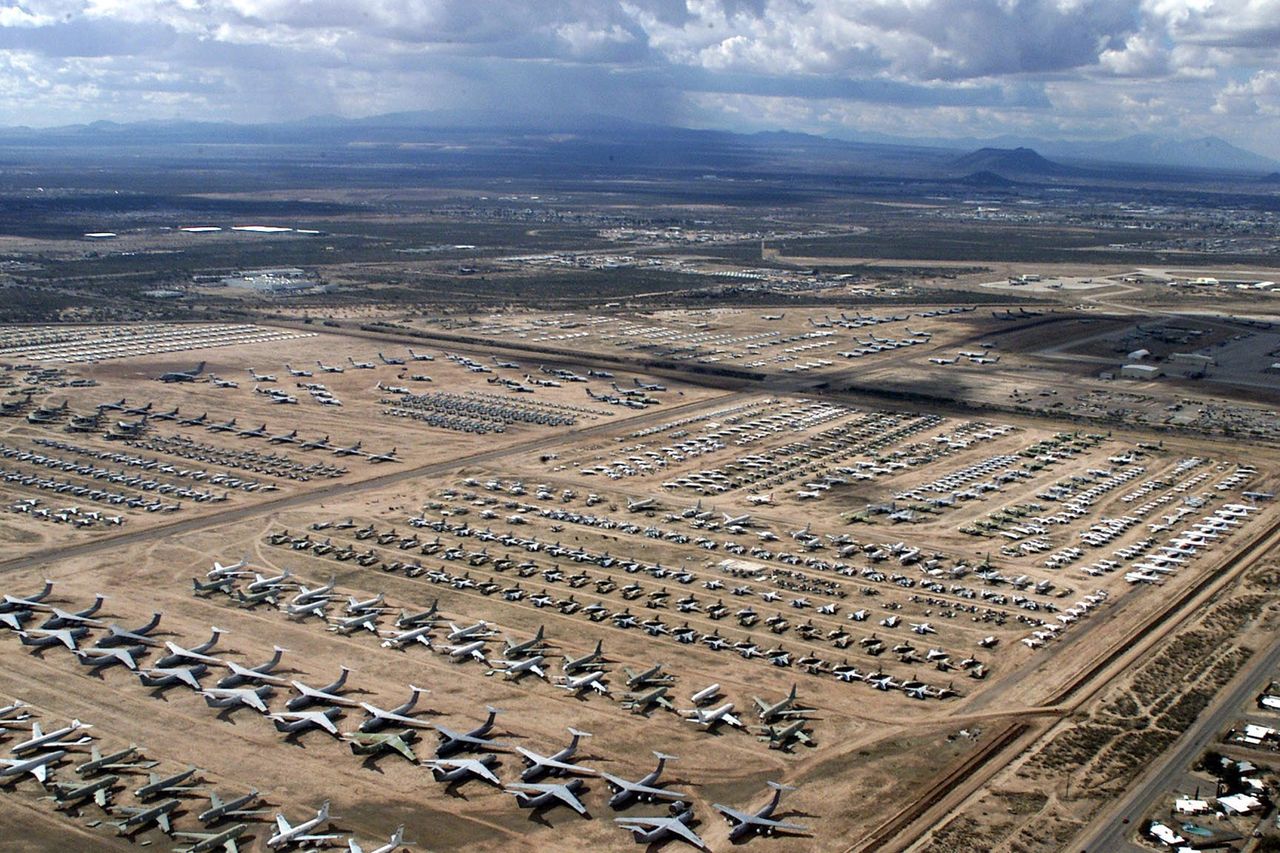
452 742
644 789
539 796
183 375
746 823
379 719
288 835
655 830
453 770
556 764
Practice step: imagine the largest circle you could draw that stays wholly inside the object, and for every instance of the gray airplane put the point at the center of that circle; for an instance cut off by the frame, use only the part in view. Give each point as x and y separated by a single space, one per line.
455 770
534 646
478 631
591 660
19 602
554 765
172 676
784 707
328 695
179 655
183 375
137 819
60 618
220 809
655 830
206 588
98 658
117 636
640 702
651 677
781 737
37 766
530 796
46 637
746 823
379 719
514 670
415 620
209 842
644 789
68 795
115 761
260 674
294 722
452 742
234 697
166 785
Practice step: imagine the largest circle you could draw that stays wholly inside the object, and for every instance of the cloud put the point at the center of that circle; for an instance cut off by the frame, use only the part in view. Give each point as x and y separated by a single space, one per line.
1060 65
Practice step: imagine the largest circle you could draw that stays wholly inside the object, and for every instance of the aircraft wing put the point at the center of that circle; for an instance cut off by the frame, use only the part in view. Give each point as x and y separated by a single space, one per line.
100 797
552 764
734 815
675 827
282 824
185 676
401 747
325 722
254 701
41 772
732 720
163 822
778 824
567 797
315 839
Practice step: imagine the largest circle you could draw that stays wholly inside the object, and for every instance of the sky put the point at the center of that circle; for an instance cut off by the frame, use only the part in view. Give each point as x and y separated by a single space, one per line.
1054 69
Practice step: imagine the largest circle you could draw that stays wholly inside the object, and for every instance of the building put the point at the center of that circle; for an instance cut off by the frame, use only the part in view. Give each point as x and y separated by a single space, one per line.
1141 371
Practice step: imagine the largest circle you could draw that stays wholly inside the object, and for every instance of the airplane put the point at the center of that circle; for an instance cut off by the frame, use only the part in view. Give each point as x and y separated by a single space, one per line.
757 500
510 365
160 676
398 640
261 673
746 823
531 646
52 637
477 631
317 444
389 456
375 743
420 356
115 761
515 669
226 426
223 383
360 365
780 737
284 438
287 835
643 386
392 360
37 767
784 707
208 842
68 795
648 677
943 360
452 742
178 654
351 450
474 649
368 621
220 809
183 375
41 740
98 657
224 697
393 844
308 696
706 694
452 770
379 719
293 722
593 659
655 830
324 368
138 817
12 602
198 420
577 683
161 785
712 717
261 377
62 618
556 764
643 789
736 520
117 636
530 796
297 372
260 432
639 505
640 702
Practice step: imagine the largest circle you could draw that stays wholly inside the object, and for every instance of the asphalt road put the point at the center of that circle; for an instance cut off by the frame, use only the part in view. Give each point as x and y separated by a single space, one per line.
1109 832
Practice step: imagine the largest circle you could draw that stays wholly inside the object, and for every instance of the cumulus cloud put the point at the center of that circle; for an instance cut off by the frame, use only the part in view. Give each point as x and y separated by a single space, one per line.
1054 64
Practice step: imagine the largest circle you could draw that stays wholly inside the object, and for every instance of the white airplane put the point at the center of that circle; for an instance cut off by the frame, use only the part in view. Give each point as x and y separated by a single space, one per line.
514 669
473 649
711 717
288 835
736 520
297 372
51 740
393 844
757 500
37 767
578 683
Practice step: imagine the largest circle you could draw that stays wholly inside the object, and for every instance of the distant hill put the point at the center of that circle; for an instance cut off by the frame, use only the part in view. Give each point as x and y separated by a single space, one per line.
1004 163
1273 178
